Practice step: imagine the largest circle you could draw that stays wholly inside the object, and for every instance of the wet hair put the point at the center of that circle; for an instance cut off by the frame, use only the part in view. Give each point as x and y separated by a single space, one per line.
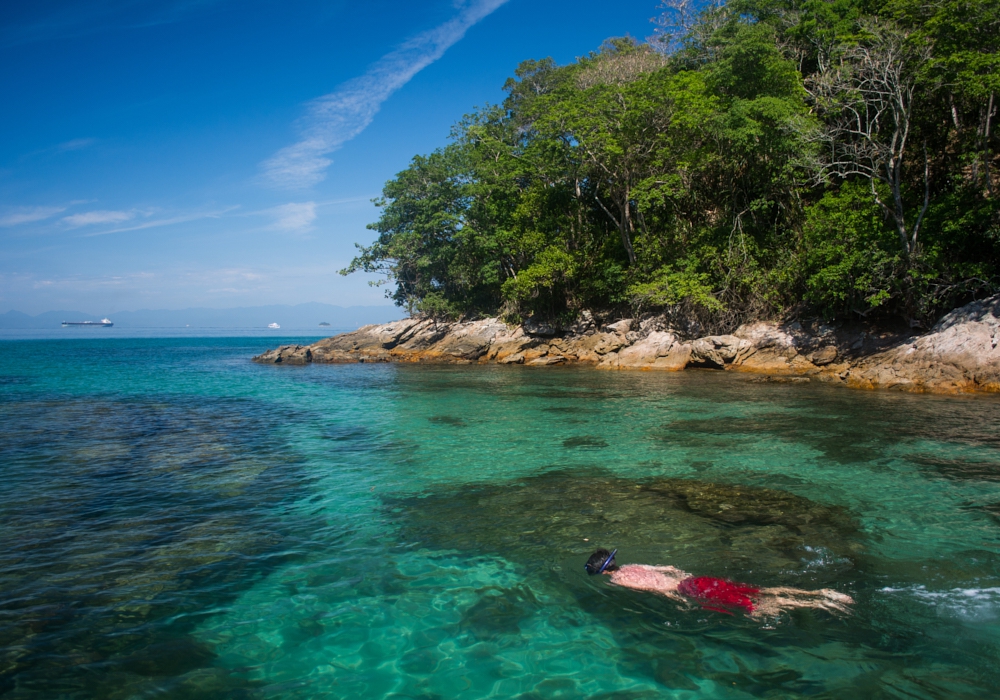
598 560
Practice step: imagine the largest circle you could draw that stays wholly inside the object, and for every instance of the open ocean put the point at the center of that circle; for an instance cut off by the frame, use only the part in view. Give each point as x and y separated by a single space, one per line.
178 522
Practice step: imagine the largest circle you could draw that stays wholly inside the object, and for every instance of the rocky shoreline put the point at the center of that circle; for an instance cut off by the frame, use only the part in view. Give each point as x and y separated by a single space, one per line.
959 354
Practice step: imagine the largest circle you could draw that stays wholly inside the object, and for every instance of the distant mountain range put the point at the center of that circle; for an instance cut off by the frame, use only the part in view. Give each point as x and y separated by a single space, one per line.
299 316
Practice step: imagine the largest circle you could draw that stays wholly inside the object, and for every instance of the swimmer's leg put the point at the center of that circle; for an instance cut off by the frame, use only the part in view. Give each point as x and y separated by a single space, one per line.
771 601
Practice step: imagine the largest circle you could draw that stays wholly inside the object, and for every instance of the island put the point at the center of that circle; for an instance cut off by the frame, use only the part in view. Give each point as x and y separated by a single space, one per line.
790 193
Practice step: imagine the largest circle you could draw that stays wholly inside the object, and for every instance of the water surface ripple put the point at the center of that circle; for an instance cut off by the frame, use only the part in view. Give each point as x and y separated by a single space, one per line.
176 522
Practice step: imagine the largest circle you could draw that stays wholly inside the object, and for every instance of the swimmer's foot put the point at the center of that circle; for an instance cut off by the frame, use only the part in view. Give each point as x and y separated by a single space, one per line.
835 601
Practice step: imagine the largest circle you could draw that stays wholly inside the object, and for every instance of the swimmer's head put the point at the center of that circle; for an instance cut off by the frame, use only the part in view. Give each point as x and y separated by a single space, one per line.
601 561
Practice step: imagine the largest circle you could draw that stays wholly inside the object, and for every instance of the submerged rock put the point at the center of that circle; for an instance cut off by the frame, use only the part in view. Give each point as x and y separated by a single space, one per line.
560 513
453 421
960 354
170 658
586 441
958 469
164 521
499 612
738 505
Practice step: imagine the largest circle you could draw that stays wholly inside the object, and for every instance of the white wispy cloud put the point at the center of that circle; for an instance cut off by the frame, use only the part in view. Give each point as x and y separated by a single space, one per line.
169 221
338 117
75 144
294 217
27 215
90 218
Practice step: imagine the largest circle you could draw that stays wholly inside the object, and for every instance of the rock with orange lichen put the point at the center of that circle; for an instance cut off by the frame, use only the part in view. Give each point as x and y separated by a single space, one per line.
959 354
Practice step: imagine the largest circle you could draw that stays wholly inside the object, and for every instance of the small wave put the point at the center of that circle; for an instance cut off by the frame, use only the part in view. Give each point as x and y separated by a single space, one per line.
821 557
972 604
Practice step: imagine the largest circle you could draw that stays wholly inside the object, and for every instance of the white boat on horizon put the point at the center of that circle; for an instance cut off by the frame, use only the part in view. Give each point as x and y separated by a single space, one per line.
103 323
273 325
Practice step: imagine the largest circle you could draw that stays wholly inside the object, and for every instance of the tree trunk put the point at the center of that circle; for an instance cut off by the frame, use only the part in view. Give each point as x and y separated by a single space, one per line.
627 229
621 224
986 144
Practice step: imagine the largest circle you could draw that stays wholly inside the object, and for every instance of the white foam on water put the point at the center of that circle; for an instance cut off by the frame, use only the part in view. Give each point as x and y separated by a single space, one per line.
821 557
970 604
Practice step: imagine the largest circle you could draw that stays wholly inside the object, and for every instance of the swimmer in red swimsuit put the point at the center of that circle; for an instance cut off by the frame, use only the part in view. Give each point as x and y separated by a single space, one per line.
717 594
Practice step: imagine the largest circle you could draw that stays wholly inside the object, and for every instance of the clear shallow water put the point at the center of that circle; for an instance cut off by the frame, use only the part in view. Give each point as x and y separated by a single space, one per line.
178 522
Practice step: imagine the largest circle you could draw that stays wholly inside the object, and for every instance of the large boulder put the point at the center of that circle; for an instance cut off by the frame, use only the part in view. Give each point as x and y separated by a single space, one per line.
540 328
286 355
367 344
623 326
658 350
593 348
508 346
449 342
717 351
959 354
771 349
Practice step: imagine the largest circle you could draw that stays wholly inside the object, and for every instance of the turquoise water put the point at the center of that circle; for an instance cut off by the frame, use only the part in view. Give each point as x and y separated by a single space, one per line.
178 522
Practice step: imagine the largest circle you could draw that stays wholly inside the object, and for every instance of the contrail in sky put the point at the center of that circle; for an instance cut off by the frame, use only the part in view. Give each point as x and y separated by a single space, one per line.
338 117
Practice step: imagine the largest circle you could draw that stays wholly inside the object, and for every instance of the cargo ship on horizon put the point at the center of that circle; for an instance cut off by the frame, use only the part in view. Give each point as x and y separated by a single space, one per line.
103 323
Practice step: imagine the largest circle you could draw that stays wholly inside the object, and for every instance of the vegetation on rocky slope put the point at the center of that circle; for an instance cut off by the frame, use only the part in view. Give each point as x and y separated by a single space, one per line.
766 155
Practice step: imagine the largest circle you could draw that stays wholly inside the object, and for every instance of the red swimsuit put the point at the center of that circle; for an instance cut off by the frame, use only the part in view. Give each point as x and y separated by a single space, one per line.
719 591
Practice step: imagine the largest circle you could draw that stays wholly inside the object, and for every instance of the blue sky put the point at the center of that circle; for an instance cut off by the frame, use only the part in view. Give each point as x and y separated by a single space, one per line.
220 153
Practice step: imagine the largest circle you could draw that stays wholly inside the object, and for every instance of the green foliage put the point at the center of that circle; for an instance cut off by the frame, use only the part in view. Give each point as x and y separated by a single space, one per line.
670 288
636 181
541 287
851 256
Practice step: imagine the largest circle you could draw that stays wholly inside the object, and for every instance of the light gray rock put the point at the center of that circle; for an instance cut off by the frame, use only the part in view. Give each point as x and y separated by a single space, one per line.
824 356
533 327
623 326
583 324
717 350
648 352
959 354
287 355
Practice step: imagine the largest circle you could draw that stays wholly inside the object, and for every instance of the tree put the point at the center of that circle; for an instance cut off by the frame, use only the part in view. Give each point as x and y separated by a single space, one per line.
425 240
866 93
771 158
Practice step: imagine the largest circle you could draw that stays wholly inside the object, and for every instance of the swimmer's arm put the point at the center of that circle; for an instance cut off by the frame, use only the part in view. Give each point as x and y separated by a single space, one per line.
667 591
672 570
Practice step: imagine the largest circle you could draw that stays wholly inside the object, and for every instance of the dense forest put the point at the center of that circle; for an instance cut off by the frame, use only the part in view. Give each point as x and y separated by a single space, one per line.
831 157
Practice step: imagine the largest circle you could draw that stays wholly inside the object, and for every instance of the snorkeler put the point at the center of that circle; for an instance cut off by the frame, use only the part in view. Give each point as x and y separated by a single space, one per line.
718 594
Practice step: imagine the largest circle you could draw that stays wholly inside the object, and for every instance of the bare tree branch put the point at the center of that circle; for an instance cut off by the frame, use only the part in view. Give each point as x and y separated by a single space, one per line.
865 94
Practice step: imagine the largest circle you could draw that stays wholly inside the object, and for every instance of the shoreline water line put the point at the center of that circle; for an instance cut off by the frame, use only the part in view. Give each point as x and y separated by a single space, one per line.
960 354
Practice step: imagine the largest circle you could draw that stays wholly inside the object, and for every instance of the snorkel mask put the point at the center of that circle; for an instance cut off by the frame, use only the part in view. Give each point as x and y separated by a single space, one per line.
605 565
607 562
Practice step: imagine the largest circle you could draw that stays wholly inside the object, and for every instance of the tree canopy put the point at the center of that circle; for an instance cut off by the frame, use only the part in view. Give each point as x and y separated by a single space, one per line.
769 154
